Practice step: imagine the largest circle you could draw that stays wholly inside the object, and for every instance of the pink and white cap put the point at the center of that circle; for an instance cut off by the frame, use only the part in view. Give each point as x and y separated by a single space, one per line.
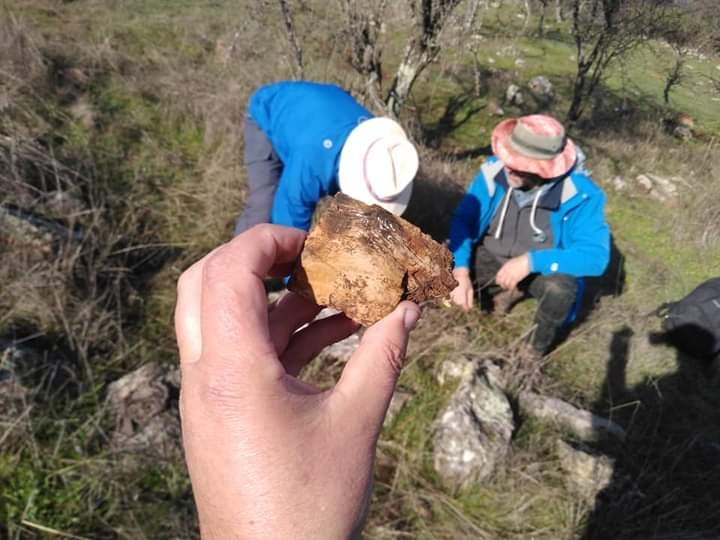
536 144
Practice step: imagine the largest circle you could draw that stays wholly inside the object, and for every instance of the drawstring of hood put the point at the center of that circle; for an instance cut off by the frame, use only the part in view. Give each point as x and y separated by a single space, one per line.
538 234
506 203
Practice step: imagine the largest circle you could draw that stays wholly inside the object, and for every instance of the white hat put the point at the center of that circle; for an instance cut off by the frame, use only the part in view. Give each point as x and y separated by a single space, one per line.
378 164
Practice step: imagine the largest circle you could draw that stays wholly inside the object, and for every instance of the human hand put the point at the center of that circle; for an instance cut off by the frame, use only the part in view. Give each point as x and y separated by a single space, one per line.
513 272
463 294
269 455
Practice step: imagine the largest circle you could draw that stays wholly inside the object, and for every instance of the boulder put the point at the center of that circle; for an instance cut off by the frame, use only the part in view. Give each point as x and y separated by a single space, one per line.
583 424
514 96
144 406
587 474
472 435
662 189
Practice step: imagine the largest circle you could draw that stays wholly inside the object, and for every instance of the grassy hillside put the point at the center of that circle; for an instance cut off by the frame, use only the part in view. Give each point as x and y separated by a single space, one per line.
133 110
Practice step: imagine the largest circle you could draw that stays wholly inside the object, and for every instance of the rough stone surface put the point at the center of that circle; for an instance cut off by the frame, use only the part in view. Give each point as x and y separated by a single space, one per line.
583 424
660 188
398 401
144 405
473 434
587 474
514 96
363 260
541 88
456 368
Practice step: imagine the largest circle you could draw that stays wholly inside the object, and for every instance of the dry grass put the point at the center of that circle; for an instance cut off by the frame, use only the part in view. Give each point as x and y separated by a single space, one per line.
135 113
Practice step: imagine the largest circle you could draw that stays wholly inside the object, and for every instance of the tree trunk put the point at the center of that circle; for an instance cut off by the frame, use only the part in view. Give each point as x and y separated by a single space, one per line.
413 62
298 67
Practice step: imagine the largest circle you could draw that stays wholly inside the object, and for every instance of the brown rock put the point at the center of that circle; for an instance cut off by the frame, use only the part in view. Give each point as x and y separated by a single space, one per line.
363 260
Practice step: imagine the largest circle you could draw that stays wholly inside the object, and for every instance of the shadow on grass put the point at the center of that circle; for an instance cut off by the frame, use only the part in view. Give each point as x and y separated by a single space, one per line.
666 481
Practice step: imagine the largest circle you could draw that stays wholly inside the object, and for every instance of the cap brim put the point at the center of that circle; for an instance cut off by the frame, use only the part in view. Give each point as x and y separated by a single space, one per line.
350 167
545 168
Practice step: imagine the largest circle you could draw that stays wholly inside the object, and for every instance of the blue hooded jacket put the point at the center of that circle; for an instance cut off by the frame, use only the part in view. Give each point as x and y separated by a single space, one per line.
307 124
581 236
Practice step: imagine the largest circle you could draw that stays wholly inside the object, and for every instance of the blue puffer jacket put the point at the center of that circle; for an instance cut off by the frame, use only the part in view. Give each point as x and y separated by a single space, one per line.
580 234
307 124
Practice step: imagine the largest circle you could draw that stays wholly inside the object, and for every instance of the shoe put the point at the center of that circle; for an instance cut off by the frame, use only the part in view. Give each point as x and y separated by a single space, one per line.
504 301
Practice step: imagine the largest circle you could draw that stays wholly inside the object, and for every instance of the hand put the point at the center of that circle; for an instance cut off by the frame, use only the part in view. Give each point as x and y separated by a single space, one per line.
463 294
513 272
268 454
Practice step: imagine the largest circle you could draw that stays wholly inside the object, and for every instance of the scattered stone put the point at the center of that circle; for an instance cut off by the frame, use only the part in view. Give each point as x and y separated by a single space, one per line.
472 435
398 401
583 424
514 96
519 62
457 368
541 88
22 229
588 474
144 405
660 188
342 350
683 133
83 112
494 108
619 183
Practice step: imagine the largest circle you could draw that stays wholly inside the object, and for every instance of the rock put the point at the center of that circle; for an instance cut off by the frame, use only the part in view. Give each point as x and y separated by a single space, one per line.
583 424
519 62
619 184
398 401
660 188
513 95
342 350
683 133
23 229
588 474
363 260
541 88
144 406
494 108
457 368
472 435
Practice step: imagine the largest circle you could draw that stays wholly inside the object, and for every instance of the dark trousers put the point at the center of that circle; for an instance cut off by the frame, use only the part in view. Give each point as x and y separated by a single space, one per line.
555 294
263 167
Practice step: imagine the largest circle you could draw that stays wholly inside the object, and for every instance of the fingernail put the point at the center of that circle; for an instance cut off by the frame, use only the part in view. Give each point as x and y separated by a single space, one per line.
410 318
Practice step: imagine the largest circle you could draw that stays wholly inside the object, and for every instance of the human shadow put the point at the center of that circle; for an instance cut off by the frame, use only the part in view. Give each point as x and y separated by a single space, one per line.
610 284
666 480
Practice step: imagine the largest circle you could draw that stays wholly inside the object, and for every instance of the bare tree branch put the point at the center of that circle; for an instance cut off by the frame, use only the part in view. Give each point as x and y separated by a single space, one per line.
293 40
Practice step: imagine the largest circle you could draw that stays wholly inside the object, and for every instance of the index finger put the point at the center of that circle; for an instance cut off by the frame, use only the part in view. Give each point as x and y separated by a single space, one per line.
234 315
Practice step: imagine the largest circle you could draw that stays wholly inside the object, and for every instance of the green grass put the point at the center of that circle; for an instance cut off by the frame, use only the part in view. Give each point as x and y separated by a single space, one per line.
162 154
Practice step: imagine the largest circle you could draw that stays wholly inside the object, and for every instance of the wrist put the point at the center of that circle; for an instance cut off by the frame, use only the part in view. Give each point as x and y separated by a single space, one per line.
461 271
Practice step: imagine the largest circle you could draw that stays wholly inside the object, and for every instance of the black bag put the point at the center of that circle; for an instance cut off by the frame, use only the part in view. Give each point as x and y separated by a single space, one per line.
692 324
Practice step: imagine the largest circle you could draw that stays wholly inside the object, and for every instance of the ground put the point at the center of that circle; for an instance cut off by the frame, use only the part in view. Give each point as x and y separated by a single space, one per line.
131 111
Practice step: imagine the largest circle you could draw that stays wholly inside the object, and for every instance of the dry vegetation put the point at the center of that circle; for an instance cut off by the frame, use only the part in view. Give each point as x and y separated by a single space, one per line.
120 163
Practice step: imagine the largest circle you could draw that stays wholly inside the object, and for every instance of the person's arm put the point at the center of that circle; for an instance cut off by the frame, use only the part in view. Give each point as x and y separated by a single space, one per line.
587 243
463 235
269 455
297 195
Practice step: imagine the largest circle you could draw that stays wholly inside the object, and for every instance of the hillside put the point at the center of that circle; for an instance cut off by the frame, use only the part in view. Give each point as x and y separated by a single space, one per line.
121 164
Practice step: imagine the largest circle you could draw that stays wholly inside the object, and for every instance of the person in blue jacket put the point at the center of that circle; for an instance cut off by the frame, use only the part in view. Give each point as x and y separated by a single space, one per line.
531 223
305 140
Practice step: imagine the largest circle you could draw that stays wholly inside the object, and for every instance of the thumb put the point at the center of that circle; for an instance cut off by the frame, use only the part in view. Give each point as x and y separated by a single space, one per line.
368 380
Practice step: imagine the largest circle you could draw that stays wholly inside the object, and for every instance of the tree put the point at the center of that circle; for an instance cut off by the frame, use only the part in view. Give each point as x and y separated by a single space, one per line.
604 31
364 20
